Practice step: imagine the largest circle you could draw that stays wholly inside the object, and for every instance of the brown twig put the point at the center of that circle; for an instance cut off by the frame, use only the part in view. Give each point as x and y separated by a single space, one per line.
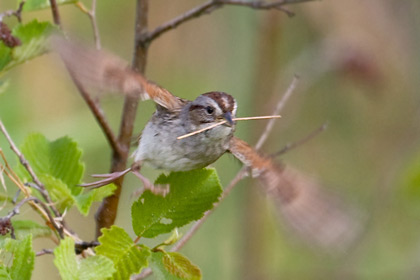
92 16
293 145
55 13
17 13
16 211
107 212
44 252
99 115
212 5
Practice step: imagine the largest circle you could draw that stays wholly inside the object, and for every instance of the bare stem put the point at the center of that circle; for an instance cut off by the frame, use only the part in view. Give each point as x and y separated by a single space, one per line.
99 115
55 13
212 5
17 13
44 252
300 142
277 110
92 16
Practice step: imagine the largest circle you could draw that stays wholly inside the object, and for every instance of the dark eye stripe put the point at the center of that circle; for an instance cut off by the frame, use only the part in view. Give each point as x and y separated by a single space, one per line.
196 107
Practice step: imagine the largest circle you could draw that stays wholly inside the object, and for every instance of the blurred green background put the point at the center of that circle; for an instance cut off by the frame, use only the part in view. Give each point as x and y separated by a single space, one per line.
359 68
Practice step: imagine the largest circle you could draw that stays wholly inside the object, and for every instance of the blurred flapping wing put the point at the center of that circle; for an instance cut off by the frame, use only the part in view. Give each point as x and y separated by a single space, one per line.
98 70
319 217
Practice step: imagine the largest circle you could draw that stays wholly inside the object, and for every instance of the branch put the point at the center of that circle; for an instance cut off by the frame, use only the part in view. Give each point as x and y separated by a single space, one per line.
17 13
99 115
277 110
212 5
55 13
293 145
203 9
16 210
107 212
44 252
92 16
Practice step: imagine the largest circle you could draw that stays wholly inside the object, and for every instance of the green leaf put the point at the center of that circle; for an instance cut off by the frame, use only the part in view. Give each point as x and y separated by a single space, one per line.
34 38
128 257
70 268
85 200
60 158
168 266
24 228
59 192
4 274
59 167
21 258
5 55
191 194
31 5
65 259
96 267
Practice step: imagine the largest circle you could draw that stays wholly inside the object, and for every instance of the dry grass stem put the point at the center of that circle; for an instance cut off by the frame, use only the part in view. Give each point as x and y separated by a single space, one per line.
223 122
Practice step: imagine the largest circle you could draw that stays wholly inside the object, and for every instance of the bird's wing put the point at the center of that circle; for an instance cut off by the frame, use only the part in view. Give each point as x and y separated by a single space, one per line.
99 70
318 216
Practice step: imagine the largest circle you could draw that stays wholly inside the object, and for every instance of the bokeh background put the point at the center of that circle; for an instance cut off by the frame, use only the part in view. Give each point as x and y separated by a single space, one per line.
359 68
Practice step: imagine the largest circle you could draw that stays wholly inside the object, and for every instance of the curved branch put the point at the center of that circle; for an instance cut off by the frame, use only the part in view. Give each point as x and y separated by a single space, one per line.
213 5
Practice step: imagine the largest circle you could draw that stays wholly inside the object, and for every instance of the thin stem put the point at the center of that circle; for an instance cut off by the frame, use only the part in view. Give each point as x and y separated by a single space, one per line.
99 115
200 10
92 16
298 143
55 13
17 13
212 5
277 110
44 252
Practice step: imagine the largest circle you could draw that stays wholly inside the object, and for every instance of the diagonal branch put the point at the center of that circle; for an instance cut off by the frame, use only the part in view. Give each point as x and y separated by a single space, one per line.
212 5
99 115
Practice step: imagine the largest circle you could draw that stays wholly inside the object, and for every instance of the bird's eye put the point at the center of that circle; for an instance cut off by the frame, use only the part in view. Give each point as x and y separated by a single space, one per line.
209 110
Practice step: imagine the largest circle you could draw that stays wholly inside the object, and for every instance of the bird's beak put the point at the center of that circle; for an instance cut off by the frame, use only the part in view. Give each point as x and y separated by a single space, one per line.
228 118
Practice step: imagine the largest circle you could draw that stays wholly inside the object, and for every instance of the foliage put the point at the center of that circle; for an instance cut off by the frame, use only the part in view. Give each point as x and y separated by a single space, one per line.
192 193
16 258
32 5
72 268
33 37
59 167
